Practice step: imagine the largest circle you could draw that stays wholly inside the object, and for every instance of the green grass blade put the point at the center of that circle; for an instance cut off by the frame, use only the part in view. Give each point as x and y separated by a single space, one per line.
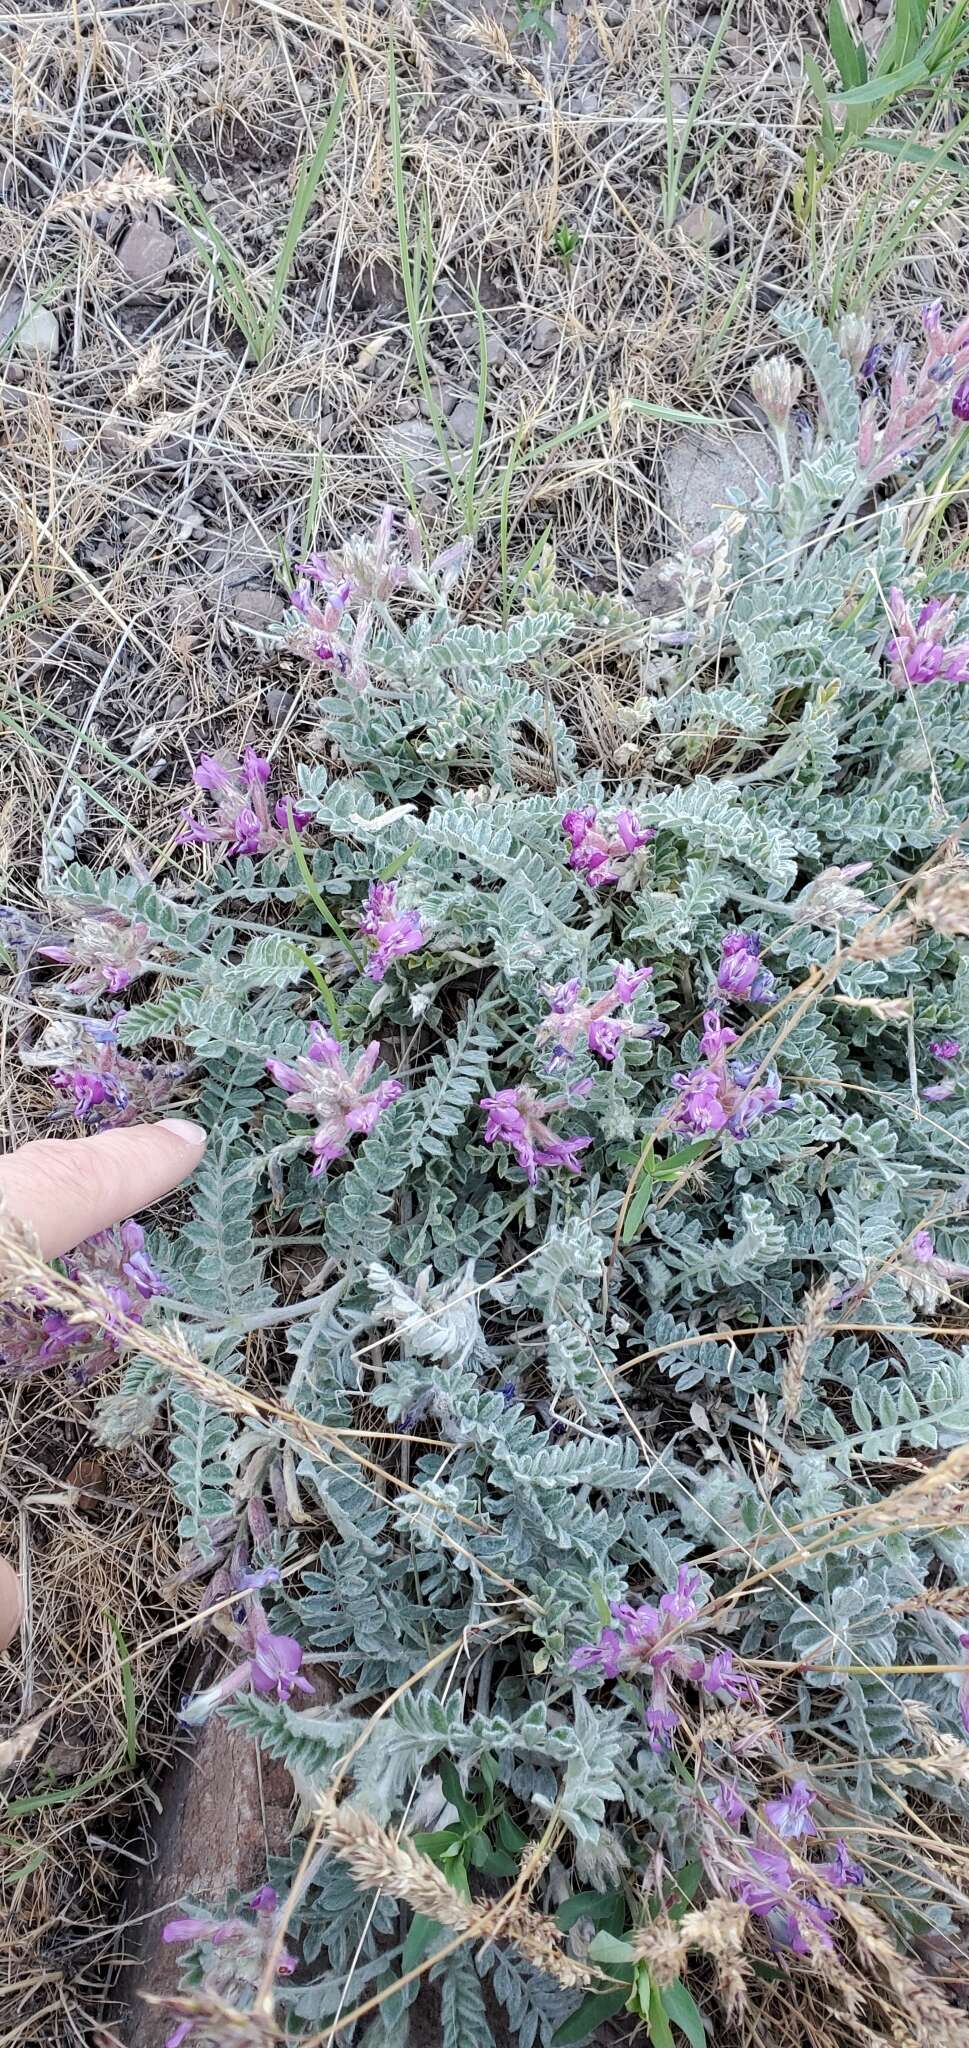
309 881
305 195
127 1691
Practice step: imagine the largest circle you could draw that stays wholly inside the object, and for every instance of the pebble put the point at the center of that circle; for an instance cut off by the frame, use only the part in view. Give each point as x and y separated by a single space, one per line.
495 351
546 335
279 704
257 608
34 328
463 421
703 226
145 252
703 475
415 446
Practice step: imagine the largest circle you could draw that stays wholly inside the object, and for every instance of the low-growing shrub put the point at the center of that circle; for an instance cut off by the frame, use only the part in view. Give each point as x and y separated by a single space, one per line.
587 1182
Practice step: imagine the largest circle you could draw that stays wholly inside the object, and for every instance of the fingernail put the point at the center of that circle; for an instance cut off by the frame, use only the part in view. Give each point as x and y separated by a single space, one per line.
181 1127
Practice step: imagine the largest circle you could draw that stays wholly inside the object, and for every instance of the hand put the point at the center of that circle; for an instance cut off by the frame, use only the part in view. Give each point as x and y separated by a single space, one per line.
67 1189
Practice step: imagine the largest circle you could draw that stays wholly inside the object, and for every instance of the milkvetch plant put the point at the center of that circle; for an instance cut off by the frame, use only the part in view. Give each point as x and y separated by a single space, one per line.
615 1466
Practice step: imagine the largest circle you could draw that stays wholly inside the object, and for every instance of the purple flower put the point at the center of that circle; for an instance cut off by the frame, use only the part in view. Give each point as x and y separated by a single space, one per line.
919 650
945 1048
798 1921
960 400
394 932
901 425
519 1118
727 1801
110 952
240 1950
115 1261
271 1668
790 1816
842 1870
571 1018
241 821
922 1247
107 1088
939 1091
647 1640
321 1084
719 1094
601 855
740 973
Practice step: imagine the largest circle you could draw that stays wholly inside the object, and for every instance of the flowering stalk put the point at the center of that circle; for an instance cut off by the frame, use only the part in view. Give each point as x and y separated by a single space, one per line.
760 1873
572 1016
519 1118
648 1641
603 855
117 1263
369 570
271 1668
233 1972
321 1084
105 1087
919 649
392 933
241 820
740 973
718 1095
110 952
916 409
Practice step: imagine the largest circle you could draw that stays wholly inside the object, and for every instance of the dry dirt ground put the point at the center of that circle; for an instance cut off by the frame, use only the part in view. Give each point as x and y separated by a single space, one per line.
593 222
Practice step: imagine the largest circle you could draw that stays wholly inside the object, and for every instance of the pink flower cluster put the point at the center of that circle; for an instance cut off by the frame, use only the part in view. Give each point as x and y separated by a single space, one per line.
916 408
761 1874
393 933
368 571
602 854
740 974
648 1640
945 1050
919 650
720 1095
270 1667
110 951
573 1016
105 1087
242 1946
115 1261
321 1084
517 1117
241 820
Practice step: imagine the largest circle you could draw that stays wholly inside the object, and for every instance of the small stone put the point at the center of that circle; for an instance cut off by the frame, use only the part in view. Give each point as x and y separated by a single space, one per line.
257 609
279 704
586 102
703 226
545 336
703 477
146 252
495 350
414 443
463 422
445 399
33 329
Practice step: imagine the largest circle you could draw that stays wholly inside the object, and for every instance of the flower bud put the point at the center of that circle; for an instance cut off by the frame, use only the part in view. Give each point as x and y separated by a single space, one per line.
776 383
854 338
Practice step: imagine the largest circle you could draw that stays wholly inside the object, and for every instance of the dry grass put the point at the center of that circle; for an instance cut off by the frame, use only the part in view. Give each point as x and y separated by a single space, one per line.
152 473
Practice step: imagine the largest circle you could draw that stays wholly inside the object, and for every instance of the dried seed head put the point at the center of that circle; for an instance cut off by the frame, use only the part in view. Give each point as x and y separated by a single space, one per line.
878 941
799 1350
942 899
776 383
